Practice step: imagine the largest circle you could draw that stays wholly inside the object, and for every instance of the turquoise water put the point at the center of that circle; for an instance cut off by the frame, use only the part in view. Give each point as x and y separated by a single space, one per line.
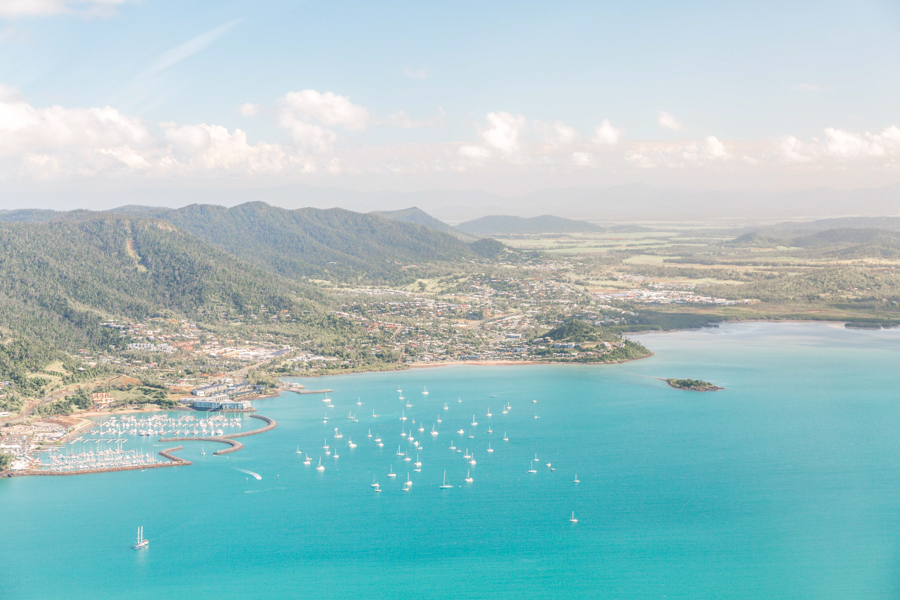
785 485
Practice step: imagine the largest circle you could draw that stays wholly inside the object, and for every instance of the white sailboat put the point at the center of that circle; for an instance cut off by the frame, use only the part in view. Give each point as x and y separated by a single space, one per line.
489 447
531 469
468 477
505 438
391 474
573 519
425 391
576 479
445 485
433 432
320 467
298 450
141 542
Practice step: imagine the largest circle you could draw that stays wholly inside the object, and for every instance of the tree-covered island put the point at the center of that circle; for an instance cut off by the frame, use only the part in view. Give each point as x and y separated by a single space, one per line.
693 385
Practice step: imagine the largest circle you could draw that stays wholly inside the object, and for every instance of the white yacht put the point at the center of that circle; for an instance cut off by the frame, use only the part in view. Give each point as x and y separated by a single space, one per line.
445 485
320 467
489 449
391 474
576 479
433 432
425 391
531 469
573 519
505 438
468 477
141 542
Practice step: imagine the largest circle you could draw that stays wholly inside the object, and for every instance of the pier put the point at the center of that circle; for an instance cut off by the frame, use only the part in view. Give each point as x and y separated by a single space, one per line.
174 461
311 391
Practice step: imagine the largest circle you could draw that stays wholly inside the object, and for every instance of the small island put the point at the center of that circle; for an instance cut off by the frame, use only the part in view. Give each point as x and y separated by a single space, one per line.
693 385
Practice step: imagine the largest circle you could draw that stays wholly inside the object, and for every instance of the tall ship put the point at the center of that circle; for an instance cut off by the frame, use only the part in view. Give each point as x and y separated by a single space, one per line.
141 542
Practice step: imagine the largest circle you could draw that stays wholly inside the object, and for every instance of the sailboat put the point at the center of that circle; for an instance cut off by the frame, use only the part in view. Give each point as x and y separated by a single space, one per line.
320 467
369 434
391 473
489 447
403 415
505 439
298 450
489 415
531 469
433 432
141 542
445 485
446 407
358 402
203 450
307 460
474 422
576 479
408 481
468 477
573 519
418 463
453 445
425 391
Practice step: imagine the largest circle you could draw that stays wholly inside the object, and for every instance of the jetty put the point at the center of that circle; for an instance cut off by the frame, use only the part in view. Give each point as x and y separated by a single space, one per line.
326 391
174 461
228 439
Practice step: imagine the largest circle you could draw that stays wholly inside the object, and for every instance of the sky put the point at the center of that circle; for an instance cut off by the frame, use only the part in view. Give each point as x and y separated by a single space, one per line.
508 97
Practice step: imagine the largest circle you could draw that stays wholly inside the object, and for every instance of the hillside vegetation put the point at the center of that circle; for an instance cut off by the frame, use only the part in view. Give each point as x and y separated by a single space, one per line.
327 244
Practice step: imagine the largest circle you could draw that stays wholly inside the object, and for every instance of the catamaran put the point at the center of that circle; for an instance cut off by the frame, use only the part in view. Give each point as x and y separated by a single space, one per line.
141 542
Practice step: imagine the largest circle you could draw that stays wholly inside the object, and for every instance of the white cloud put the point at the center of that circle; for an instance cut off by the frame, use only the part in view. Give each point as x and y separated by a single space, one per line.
43 8
838 144
420 73
556 134
24 128
249 110
329 109
213 148
667 121
474 152
809 87
582 159
606 134
708 149
502 131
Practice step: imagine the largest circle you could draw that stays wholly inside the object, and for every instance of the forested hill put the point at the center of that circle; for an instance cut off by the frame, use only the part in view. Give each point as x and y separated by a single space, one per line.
332 244
499 225
420 217
60 280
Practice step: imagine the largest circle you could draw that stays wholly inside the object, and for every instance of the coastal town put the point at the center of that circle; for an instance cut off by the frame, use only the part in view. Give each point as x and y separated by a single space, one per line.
514 315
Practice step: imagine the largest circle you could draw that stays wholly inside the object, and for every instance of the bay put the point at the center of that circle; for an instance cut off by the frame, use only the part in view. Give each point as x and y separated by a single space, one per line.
783 485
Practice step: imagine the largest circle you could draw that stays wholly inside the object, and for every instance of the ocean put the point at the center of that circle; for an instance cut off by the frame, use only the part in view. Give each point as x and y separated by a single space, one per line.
786 484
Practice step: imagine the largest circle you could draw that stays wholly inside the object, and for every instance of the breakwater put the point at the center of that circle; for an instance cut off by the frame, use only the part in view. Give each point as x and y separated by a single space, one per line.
229 439
174 461
311 391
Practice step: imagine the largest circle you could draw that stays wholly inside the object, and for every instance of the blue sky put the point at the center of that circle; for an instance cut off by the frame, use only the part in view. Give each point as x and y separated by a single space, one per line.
455 94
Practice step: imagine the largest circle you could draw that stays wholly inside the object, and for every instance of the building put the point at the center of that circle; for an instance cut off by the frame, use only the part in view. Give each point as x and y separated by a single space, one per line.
102 399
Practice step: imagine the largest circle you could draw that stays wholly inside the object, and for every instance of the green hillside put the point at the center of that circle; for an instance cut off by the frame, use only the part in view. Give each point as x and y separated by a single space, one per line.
332 244
420 217
60 280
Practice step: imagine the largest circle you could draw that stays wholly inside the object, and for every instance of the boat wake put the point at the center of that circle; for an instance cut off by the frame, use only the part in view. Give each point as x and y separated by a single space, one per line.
251 473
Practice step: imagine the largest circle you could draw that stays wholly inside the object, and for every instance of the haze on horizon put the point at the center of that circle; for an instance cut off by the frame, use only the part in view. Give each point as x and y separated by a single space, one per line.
726 109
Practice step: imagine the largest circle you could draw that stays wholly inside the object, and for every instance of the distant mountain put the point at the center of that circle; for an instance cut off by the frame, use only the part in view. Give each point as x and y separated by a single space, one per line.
500 225
30 215
842 242
797 228
334 243
420 217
